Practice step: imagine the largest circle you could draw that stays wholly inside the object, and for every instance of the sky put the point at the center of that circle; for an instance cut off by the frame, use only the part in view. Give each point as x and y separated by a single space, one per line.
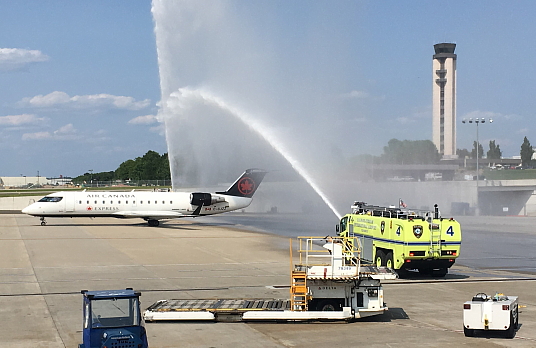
85 85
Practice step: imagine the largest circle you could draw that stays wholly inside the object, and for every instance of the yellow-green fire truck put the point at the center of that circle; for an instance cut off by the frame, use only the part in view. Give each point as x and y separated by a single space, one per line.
404 239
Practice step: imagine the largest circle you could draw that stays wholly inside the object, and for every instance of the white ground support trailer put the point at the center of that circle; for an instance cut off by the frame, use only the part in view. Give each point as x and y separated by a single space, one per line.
327 283
484 312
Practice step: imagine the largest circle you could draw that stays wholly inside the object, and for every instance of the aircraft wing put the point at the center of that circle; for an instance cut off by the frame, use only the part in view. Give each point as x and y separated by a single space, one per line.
150 214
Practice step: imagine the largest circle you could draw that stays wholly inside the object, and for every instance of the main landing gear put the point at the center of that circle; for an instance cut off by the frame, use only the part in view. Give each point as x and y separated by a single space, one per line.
153 223
43 221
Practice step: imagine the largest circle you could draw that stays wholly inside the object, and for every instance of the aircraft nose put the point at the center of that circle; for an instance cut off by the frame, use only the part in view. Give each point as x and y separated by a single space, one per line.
27 210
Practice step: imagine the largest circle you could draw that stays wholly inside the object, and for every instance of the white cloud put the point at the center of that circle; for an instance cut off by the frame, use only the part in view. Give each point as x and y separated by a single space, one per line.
67 132
59 99
36 136
67 129
355 95
350 122
523 131
147 119
16 58
17 120
404 120
160 129
101 132
52 99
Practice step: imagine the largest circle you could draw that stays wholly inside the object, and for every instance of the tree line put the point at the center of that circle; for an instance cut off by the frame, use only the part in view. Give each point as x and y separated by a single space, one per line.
151 166
526 152
425 152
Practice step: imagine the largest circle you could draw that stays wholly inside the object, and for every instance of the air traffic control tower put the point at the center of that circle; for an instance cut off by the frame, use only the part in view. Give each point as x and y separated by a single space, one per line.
444 99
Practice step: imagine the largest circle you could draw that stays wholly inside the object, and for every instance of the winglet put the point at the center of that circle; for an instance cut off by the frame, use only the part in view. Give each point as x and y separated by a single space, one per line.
246 184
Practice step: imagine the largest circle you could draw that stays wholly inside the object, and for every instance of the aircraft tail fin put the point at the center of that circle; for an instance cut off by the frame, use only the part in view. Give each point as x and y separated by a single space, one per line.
246 184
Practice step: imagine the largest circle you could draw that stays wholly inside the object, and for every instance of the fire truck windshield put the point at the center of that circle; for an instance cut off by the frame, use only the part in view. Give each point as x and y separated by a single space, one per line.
344 222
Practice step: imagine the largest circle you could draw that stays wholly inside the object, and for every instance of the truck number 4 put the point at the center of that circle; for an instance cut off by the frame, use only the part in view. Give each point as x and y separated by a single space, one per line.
398 231
450 231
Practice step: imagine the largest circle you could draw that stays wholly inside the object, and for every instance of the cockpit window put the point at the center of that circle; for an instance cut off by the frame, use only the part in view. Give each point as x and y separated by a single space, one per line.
50 199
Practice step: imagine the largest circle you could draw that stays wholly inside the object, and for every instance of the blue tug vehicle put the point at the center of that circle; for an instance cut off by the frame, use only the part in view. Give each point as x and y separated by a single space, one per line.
112 318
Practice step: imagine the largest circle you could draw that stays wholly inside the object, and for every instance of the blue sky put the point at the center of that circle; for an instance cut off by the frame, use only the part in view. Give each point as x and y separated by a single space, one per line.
79 81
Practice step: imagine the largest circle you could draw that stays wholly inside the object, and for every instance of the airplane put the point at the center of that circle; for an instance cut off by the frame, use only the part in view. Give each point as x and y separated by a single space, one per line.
150 206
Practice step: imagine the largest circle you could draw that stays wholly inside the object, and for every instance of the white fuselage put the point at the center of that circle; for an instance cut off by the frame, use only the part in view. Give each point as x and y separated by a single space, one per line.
134 204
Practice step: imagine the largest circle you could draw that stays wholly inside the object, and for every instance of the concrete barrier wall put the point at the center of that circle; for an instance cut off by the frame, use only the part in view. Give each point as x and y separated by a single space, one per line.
16 203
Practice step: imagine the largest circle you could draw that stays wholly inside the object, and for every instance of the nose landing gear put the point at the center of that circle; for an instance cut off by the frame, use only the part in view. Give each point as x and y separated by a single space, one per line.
43 221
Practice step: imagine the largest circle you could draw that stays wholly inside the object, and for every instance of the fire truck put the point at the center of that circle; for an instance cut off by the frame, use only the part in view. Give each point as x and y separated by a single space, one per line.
328 282
404 239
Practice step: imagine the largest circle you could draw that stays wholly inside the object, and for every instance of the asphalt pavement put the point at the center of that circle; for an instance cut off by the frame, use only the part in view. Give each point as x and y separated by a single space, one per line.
43 269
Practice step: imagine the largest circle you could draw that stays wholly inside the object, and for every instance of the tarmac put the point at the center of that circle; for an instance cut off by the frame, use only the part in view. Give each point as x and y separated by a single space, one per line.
43 269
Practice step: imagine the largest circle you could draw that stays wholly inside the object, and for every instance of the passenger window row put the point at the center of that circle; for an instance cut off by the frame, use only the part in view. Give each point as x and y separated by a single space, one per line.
126 202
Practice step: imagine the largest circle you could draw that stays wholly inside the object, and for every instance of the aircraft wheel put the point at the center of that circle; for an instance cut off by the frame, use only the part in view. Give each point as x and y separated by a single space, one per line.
379 260
43 223
153 223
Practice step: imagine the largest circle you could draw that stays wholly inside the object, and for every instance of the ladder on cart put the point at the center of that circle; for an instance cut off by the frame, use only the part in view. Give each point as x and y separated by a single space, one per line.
298 291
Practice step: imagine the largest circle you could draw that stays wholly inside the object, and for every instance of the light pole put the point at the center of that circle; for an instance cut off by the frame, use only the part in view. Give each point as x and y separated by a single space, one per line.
477 121
91 177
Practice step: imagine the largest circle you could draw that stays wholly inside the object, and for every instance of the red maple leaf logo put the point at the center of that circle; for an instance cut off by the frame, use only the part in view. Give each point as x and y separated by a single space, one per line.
246 186
89 208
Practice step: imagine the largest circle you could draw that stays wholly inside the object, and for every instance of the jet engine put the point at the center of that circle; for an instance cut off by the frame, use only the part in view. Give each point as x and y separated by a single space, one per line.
205 199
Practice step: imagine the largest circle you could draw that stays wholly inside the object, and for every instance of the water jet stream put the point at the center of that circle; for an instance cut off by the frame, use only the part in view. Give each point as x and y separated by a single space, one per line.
262 130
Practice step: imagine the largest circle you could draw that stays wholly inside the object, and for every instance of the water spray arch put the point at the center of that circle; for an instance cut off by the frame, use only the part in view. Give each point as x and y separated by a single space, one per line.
179 100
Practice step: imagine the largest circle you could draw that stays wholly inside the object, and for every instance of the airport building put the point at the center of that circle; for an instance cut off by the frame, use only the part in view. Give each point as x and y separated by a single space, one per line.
32 181
444 99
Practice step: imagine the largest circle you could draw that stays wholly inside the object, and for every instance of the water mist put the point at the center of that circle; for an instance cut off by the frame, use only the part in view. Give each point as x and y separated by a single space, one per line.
177 100
209 137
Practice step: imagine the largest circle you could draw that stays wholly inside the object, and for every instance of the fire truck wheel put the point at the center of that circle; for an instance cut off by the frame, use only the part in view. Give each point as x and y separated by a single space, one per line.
468 332
379 260
328 306
389 260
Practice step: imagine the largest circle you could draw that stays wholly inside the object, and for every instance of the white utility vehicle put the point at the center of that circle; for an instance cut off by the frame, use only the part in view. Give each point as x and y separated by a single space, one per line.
485 312
327 282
